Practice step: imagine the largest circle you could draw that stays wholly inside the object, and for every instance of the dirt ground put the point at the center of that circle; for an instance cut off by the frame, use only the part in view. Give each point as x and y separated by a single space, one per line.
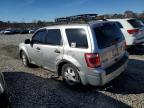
34 88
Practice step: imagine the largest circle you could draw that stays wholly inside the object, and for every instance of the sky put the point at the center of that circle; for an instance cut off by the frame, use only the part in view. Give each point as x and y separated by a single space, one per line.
47 10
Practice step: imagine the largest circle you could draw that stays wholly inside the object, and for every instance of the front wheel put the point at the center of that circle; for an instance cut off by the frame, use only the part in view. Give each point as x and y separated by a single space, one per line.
25 60
70 75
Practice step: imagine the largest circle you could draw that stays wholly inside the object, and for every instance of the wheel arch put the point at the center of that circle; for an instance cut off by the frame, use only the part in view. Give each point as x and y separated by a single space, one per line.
23 50
62 63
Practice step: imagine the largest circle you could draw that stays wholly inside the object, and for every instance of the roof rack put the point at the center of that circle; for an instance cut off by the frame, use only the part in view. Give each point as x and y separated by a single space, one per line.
82 18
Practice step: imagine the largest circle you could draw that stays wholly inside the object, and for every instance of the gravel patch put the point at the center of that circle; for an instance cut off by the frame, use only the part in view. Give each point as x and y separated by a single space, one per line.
35 88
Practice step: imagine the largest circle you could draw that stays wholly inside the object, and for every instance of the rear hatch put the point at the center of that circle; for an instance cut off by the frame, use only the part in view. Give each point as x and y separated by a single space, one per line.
111 43
138 31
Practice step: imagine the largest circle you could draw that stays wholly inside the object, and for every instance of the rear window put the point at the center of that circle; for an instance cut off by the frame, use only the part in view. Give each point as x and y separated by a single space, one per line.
108 34
77 38
135 23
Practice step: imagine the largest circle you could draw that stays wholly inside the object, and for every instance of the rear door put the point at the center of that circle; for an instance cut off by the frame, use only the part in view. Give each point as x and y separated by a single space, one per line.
53 50
110 42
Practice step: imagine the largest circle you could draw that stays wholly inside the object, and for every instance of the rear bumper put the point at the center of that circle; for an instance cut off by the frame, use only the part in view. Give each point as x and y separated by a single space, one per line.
134 41
138 41
102 76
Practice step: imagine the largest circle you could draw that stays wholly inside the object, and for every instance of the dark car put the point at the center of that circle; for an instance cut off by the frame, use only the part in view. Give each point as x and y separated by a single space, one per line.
3 92
24 31
11 31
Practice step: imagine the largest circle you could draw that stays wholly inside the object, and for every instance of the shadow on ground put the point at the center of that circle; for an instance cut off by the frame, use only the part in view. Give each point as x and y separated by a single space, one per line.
129 82
139 50
30 91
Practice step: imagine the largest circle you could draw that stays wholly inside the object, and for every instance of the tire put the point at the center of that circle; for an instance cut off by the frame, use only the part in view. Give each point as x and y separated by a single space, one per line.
70 75
25 60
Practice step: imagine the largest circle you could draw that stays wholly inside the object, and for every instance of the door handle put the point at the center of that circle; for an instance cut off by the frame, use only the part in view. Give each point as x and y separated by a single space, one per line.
56 51
38 48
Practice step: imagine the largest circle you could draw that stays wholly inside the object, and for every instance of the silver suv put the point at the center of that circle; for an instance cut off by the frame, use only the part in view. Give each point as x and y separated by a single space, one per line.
92 53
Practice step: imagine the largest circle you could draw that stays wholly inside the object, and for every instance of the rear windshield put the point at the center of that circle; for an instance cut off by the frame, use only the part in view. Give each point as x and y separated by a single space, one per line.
135 23
108 34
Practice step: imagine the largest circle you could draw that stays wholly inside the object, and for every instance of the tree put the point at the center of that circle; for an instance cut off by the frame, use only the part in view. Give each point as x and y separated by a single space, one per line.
141 16
130 14
40 23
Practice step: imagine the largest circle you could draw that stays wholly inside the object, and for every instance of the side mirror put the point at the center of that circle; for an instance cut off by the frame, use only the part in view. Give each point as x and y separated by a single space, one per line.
27 41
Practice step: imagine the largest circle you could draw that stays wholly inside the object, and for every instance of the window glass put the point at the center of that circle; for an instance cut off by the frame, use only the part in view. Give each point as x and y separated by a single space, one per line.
53 37
77 38
108 34
135 23
39 37
119 25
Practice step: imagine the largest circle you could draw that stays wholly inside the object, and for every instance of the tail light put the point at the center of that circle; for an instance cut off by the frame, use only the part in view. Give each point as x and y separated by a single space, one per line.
133 31
92 60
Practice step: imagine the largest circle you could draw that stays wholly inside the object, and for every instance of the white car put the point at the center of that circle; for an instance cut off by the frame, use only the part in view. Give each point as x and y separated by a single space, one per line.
132 29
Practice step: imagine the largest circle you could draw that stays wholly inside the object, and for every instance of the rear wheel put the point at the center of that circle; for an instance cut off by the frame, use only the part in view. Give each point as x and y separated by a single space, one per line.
25 60
70 75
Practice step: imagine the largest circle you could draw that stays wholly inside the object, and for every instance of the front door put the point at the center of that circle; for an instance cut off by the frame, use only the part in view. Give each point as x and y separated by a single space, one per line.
36 46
